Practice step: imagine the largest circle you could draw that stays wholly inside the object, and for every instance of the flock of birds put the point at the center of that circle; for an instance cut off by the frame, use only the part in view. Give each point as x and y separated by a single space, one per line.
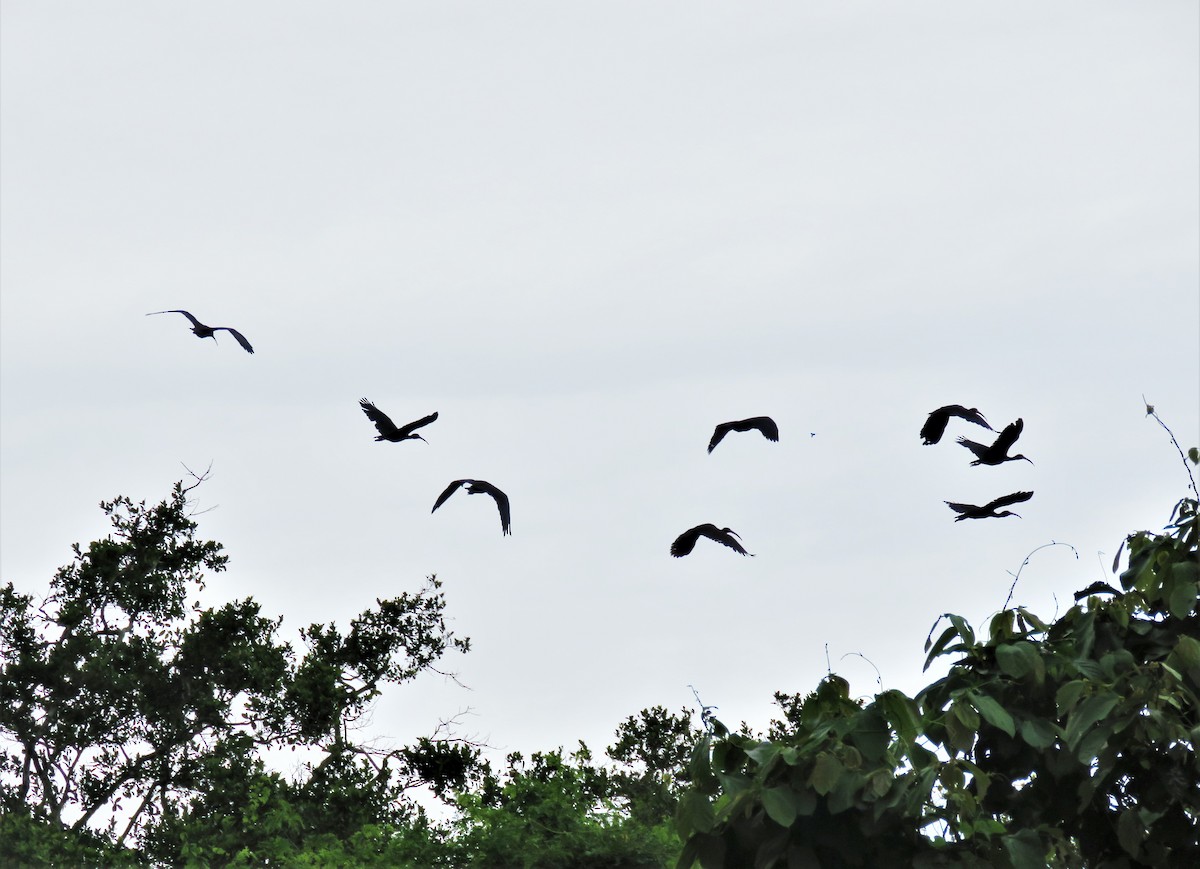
995 453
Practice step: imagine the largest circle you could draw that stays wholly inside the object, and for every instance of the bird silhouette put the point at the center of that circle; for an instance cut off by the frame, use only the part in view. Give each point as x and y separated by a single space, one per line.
475 487
202 331
764 424
686 541
388 430
988 510
935 426
997 452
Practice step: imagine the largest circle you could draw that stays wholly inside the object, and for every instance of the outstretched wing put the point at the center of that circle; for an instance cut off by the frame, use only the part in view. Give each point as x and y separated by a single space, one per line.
241 339
195 322
1006 500
383 422
718 433
970 414
413 426
501 504
1009 436
724 537
450 490
764 424
978 449
685 542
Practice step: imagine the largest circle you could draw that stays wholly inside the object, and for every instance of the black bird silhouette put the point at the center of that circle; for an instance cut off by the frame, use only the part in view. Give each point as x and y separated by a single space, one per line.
686 541
388 430
988 510
935 426
997 452
764 424
475 487
202 331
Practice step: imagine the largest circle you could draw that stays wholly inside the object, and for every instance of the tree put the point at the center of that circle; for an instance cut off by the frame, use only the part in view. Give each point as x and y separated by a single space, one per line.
1070 743
130 716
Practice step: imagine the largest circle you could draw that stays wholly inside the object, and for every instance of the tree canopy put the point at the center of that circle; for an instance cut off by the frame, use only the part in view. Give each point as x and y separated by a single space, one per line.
134 721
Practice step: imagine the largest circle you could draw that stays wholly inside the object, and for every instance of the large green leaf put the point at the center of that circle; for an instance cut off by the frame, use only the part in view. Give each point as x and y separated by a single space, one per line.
694 814
1088 713
1039 732
995 714
1020 659
1026 850
781 805
826 772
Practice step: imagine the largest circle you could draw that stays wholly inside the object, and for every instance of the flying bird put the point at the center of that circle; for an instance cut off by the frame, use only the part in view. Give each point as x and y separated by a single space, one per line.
475 487
935 426
997 452
764 424
388 430
202 331
988 510
686 541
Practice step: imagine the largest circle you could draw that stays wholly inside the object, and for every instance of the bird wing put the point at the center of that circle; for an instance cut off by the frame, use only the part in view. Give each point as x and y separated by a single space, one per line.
1009 436
195 322
724 537
501 503
383 422
1006 500
970 414
978 449
685 542
413 426
961 508
718 433
241 339
447 493
935 426
764 424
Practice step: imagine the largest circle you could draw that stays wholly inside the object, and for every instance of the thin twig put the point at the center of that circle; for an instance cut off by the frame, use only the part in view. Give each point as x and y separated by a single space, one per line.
1183 457
1016 576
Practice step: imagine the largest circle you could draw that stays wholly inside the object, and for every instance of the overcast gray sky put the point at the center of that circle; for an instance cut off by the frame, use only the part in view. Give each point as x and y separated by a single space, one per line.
585 233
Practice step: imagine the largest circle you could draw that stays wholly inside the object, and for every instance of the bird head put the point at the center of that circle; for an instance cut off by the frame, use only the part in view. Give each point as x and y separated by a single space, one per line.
1007 513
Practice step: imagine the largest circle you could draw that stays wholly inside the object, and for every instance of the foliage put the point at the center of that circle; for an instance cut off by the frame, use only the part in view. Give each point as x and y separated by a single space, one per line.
128 712
1070 744
556 811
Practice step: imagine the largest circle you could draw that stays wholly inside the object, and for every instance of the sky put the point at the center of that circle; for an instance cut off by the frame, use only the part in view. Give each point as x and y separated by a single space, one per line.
585 234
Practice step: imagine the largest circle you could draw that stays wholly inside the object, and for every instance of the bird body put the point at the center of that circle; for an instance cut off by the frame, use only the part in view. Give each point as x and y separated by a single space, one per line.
476 487
935 425
996 453
686 541
764 424
988 510
202 331
388 430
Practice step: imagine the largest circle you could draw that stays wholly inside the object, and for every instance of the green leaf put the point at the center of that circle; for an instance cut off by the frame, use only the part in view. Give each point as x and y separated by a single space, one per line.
1180 590
1012 661
781 805
1026 850
901 712
1039 732
1185 658
1068 695
825 774
694 814
1088 713
995 714
1131 832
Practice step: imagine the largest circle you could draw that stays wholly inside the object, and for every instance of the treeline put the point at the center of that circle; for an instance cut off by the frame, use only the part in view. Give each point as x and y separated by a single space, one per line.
133 725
